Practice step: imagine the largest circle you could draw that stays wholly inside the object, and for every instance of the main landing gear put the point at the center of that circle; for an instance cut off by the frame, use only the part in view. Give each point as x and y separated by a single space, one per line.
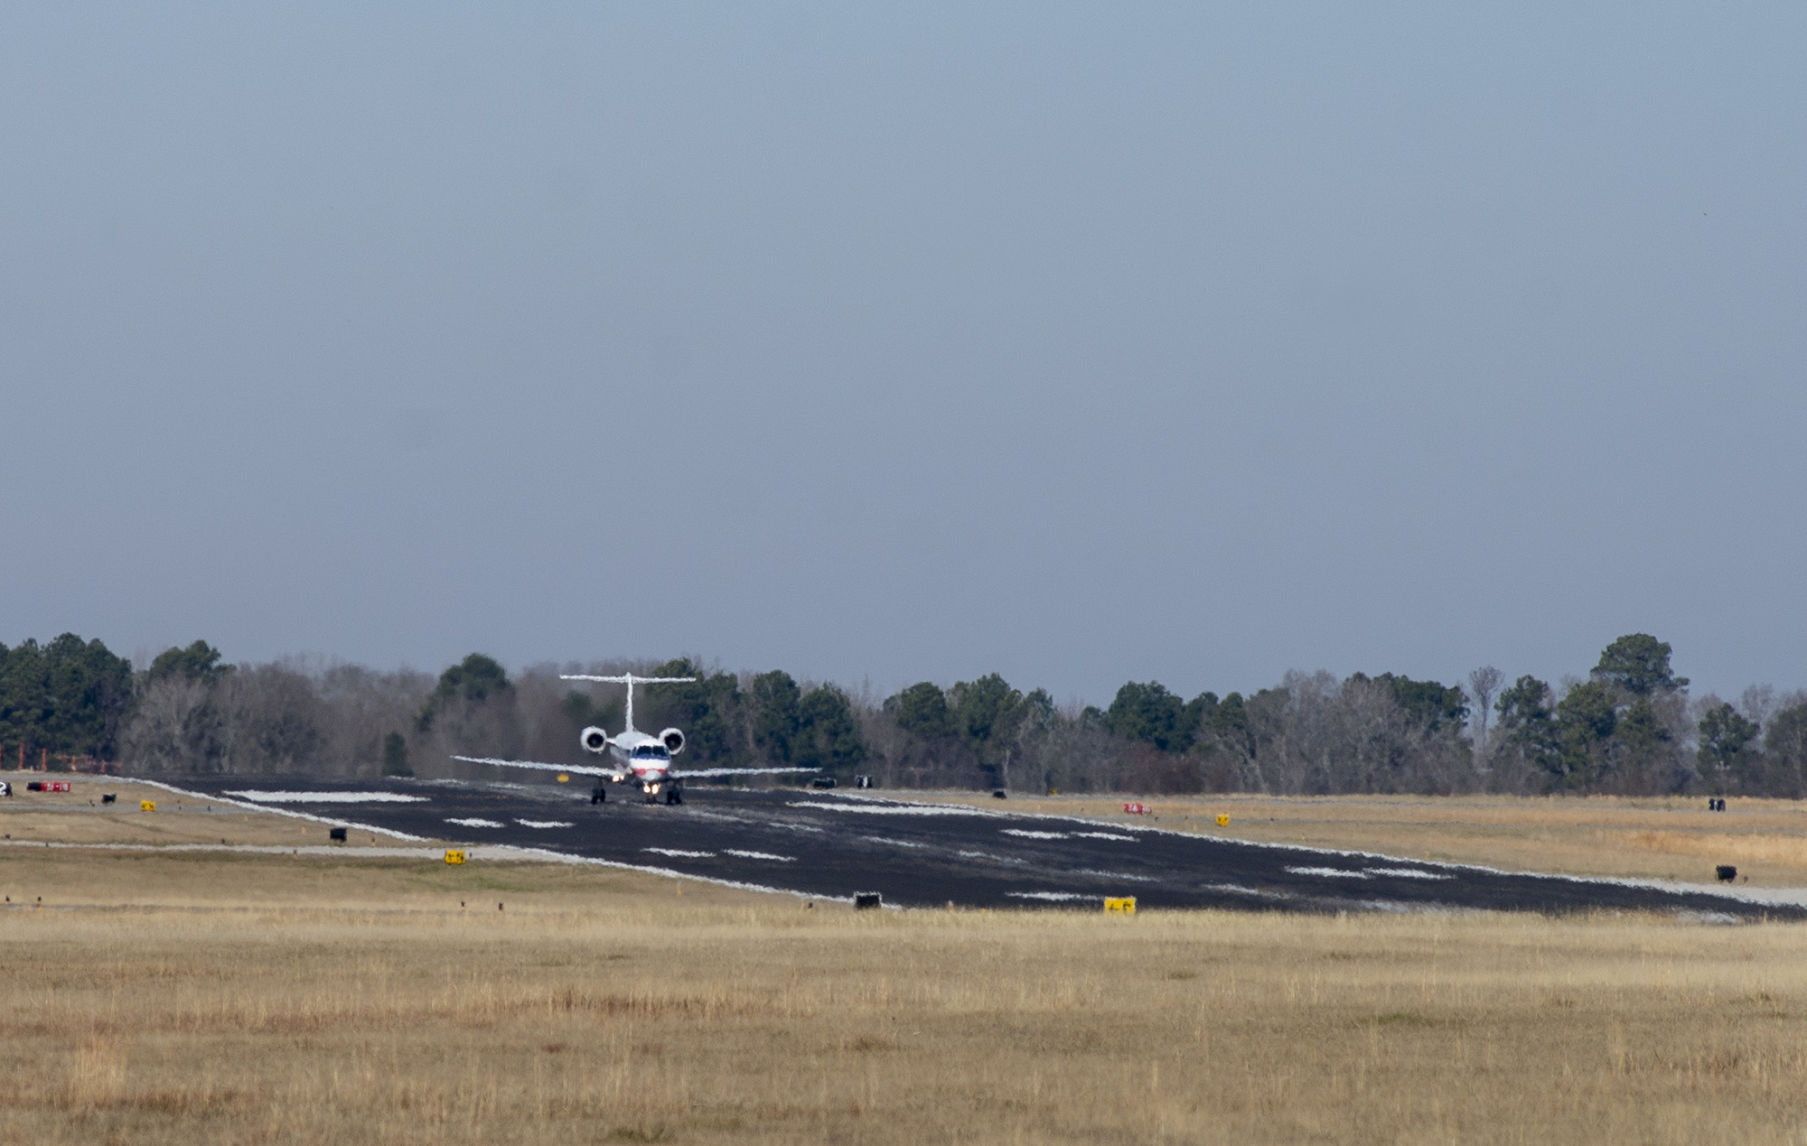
599 795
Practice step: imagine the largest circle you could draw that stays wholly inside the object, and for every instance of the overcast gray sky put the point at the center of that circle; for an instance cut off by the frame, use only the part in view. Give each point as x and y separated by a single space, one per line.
1080 343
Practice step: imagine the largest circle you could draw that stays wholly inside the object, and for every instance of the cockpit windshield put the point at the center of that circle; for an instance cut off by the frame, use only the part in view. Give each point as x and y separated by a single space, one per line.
651 752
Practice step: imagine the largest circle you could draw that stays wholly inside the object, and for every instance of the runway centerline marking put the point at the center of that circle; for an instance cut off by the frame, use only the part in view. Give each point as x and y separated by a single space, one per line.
477 822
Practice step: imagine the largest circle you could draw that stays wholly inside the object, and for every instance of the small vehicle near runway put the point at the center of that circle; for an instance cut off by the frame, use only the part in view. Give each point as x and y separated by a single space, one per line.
822 782
6 789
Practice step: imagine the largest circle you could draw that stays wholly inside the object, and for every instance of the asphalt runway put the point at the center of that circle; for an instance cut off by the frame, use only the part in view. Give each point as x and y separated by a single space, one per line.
830 845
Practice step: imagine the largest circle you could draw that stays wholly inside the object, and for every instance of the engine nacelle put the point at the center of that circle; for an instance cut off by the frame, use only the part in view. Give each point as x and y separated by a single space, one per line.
594 739
673 739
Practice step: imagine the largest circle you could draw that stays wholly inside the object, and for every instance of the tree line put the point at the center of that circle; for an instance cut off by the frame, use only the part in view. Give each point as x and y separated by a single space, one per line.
1629 726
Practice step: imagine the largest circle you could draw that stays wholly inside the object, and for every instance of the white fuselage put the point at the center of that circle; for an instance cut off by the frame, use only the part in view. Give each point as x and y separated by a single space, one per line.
641 756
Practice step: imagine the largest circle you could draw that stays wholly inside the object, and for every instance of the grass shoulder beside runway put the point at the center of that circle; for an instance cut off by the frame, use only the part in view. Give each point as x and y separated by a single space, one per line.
80 817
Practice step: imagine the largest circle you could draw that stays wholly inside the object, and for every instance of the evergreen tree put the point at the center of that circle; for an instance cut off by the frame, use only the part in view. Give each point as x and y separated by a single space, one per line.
1728 752
828 735
1152 715
1639 664
774 716
395 756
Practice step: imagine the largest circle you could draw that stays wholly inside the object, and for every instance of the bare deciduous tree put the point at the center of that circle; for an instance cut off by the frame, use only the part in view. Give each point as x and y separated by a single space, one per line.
1483 683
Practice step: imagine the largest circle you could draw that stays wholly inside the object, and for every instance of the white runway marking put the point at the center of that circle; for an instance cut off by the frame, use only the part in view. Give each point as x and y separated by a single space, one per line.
544 823
758 855
973 855
1407 873
1104 836
1051 896
1238 889
891 809
1333 872
477 822
1029 835
327 797
680 853
1117 875
893 843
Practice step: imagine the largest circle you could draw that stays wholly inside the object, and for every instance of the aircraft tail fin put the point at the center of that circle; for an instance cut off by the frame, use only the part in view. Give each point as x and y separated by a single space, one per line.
630 680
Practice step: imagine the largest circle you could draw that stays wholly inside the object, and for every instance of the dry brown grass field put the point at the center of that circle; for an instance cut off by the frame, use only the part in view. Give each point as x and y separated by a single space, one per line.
78 816
1646 838
194 997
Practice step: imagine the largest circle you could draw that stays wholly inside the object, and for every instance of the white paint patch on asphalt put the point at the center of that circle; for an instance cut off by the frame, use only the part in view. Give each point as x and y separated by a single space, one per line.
679 853
477 822
1332 872
544 823
327 797
758 855
866 809
1238 889
1117 875
971 855
892 842
1029 835
1050 896
1104 836
1406 873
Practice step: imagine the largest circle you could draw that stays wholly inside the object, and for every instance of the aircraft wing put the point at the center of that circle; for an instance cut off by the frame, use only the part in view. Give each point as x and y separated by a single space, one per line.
580 769
689 773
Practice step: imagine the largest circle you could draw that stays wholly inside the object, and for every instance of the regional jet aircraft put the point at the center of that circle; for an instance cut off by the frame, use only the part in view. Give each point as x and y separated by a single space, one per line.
640 755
